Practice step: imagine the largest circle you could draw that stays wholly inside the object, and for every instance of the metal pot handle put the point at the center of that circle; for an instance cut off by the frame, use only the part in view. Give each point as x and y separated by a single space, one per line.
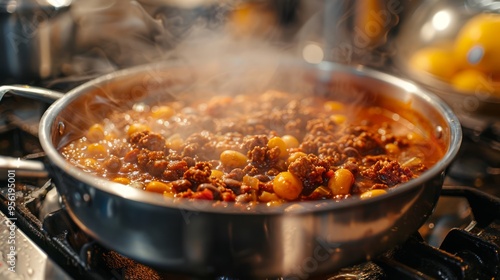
23 168
37 93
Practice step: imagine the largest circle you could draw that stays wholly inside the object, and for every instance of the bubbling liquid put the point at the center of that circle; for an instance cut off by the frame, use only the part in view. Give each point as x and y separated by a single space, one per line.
268 148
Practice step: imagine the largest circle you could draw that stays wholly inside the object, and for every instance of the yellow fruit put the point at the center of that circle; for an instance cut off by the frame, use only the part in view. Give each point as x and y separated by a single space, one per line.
472 81
436 61
477 44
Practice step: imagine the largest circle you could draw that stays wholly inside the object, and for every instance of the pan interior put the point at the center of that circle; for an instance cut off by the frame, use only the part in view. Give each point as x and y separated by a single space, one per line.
70 116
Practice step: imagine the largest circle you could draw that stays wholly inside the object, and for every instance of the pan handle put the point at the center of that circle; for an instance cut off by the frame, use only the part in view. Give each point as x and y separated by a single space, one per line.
37 93
23 168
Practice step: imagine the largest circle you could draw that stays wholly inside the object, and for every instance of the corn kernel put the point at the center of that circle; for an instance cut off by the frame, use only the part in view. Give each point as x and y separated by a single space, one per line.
372 193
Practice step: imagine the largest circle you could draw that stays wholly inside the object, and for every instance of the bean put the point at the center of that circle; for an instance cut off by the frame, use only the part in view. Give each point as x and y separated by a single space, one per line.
158 187
89 163
122 180
293 157
232 184
341 181
233 159
290 141
95 133
96 151
333 106
338 119
287 186
181 185
262 178
278 142
391 148
162 112
137 127
207 186
110 136
372 193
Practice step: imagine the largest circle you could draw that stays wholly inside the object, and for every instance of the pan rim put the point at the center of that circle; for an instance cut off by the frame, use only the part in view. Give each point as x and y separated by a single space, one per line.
116 189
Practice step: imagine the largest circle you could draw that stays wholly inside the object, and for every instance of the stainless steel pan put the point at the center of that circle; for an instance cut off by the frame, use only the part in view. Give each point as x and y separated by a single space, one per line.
294 240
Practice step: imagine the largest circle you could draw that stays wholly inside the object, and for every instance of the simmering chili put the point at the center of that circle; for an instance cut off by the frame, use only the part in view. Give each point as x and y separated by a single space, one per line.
252 149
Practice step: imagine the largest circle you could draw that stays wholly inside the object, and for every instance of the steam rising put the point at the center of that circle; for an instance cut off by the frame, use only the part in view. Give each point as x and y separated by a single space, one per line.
122 33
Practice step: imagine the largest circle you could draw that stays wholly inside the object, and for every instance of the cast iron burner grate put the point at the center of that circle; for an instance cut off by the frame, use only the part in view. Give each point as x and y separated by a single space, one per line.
469 253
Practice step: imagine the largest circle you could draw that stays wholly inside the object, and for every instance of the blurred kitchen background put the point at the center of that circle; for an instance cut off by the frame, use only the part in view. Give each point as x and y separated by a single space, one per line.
69 40
59 44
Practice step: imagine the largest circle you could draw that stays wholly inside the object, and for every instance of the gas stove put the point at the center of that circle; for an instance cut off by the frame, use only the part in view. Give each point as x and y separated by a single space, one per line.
40 241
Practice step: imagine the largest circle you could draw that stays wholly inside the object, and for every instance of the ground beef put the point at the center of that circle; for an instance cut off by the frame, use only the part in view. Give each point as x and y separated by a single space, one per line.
388 172
113 164
183 151
175 170
198 174
152 142
310 170
153 162
181 185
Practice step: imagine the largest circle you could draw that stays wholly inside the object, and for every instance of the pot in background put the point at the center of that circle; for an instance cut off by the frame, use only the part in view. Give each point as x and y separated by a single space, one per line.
36 38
